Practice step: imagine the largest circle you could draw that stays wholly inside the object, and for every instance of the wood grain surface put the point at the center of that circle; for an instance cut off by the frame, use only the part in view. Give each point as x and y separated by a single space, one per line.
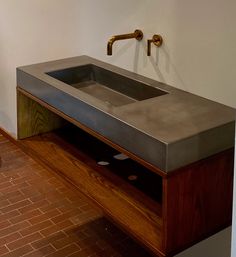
198 201
33 118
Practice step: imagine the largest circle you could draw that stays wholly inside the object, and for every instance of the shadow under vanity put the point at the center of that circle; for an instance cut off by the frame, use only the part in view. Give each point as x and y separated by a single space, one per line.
171 186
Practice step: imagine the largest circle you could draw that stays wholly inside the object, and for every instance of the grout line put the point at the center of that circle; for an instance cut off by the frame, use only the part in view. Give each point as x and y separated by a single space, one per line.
53 246
7 247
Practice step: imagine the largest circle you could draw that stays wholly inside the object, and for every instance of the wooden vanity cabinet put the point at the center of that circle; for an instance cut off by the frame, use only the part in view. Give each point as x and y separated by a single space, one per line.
166 212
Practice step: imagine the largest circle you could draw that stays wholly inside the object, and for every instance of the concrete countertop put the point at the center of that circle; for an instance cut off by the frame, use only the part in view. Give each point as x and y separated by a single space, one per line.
170 131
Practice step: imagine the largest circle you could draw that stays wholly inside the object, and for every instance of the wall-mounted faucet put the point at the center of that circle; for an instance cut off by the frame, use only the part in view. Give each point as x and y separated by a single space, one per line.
156 40
138 34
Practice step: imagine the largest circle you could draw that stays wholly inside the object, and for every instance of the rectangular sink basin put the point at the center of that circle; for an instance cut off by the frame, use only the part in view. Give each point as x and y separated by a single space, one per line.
106 85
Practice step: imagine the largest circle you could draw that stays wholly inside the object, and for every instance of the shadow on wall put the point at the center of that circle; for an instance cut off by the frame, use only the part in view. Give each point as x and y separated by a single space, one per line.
122 49
153 60
141 60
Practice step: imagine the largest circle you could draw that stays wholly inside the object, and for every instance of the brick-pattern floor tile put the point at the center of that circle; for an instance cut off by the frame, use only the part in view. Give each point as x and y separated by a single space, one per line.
16 199
26 216
9 195
3 250
9 238
25 240
44 251
15 206
42 215
48 215
49 240
9 215
19 252
4 224
66 251
55 228
65 241
14 228
36 227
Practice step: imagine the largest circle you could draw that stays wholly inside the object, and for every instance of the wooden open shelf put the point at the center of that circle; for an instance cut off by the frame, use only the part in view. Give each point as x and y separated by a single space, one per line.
165 212
123 202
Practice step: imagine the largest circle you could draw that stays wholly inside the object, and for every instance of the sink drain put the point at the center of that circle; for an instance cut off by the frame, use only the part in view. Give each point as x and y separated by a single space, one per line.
120 157
132 177
103 163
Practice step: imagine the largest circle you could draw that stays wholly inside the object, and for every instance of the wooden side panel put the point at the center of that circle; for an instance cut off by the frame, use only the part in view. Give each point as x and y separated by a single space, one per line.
197 201
34 119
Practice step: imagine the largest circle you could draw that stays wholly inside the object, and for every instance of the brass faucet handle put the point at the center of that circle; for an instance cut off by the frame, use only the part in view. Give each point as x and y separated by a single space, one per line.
157 40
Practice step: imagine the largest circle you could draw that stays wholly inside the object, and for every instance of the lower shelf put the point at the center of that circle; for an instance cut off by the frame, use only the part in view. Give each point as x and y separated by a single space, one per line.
75 155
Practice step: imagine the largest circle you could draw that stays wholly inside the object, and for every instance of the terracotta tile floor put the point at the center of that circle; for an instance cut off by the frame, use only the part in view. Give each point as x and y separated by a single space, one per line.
40 215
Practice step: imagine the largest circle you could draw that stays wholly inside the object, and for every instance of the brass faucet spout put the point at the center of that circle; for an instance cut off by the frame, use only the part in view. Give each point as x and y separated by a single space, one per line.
110 44
138 34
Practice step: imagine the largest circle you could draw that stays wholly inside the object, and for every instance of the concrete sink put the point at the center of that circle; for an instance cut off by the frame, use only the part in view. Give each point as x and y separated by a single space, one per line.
165 126
107 86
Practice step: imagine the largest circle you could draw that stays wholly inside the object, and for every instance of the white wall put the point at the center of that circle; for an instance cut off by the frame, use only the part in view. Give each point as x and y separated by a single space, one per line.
32 31
198 54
